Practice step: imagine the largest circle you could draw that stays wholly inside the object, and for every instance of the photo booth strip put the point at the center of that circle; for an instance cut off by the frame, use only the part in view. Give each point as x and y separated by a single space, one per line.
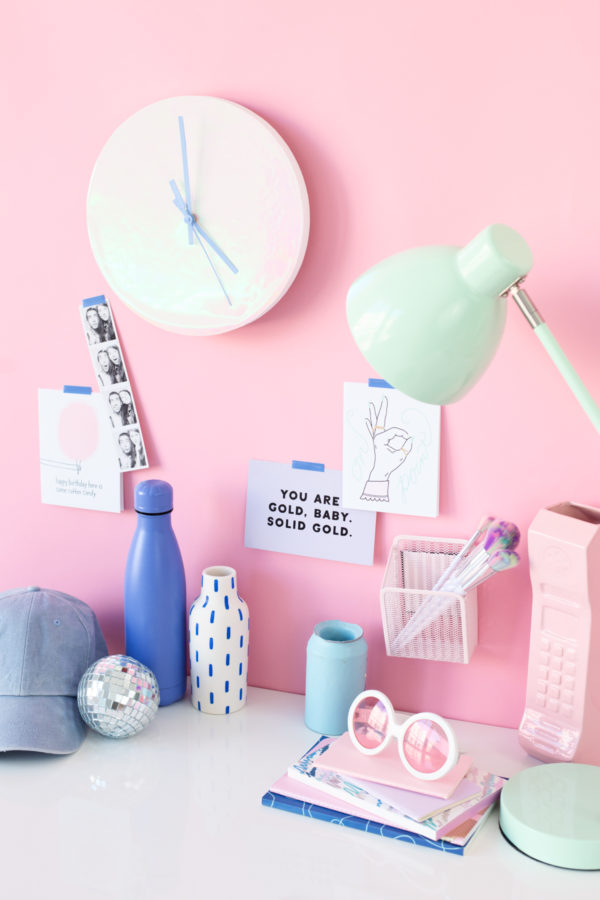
113 381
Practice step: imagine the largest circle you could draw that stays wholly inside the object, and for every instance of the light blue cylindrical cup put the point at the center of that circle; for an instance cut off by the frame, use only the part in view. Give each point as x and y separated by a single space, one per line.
336 670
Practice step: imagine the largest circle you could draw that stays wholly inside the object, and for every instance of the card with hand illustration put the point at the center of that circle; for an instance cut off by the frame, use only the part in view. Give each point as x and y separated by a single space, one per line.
391 458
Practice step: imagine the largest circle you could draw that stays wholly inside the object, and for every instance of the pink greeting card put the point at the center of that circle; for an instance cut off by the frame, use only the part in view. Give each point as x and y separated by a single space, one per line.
386 768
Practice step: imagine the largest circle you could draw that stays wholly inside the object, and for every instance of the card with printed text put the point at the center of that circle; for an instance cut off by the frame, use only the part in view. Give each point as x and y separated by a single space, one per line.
78 467
299 511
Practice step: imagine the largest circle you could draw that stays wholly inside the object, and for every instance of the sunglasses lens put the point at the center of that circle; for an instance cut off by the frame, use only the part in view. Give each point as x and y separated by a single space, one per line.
370 723
426 746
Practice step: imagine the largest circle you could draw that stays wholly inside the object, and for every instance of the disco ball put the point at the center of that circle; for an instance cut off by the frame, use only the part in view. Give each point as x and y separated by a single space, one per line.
118 696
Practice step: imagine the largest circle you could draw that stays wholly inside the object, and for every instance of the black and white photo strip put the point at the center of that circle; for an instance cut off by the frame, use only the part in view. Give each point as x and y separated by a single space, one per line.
124 421
109 365
121 406
113 380
98 323
132 454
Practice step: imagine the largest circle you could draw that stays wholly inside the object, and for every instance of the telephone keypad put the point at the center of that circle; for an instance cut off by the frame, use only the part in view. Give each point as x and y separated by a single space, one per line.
556 676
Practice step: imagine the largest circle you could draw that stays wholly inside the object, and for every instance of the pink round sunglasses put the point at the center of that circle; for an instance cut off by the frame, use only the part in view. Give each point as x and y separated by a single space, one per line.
426 743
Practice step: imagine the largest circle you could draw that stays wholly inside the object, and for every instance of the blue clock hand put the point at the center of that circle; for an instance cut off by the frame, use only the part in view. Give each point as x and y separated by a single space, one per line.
216 274
186 177
190 218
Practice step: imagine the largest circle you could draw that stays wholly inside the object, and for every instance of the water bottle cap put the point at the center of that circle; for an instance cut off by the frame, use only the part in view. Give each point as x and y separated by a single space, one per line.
153 496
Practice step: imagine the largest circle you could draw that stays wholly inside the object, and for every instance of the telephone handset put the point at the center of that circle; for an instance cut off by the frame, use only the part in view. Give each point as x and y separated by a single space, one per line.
561 721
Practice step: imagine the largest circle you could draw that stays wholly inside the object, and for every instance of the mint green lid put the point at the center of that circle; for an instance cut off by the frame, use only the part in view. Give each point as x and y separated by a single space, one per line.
552 813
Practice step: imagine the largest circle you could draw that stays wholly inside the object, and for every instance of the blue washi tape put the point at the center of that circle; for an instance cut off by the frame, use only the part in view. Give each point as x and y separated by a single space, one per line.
76 389
379 382
91 301
313 467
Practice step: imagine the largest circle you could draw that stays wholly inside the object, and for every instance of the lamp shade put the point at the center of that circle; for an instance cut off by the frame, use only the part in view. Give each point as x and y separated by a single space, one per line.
429 320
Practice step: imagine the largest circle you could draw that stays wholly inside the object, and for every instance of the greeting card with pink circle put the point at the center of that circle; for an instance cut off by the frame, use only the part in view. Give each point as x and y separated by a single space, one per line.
78 464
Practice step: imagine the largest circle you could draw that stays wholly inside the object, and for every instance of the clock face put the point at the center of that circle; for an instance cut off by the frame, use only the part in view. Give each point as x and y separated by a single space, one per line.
209 252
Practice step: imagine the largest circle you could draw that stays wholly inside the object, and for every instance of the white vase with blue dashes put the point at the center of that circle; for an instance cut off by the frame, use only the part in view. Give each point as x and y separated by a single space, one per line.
219 633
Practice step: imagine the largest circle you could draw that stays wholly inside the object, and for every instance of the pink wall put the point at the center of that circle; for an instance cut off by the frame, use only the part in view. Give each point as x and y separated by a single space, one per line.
413 123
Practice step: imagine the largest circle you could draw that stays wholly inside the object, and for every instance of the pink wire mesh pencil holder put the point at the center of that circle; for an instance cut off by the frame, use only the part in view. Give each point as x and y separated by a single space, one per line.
413 568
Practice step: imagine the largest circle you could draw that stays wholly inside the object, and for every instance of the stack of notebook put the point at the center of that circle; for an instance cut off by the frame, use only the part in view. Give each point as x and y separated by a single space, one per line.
334 782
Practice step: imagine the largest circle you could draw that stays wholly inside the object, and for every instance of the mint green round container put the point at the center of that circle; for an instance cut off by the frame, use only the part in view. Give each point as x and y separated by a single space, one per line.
552 813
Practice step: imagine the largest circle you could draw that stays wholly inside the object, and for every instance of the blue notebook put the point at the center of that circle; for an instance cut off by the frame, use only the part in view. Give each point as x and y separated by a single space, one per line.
312 811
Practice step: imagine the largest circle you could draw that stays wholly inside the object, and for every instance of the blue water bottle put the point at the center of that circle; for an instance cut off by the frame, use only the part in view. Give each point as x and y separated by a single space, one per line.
155 605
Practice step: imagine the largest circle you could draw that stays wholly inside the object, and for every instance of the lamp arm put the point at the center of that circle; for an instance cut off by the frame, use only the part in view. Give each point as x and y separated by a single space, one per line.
556 354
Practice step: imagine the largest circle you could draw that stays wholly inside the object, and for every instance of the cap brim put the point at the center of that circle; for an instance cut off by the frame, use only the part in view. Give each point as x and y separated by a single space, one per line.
41 724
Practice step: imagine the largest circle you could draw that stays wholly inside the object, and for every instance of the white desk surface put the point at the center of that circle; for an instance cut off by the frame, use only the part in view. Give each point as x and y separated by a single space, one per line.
175 812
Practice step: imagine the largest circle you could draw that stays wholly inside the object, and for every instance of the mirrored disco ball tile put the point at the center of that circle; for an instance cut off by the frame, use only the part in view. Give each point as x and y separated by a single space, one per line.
118 696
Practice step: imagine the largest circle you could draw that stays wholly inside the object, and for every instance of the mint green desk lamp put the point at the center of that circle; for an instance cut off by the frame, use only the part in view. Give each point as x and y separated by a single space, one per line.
429 320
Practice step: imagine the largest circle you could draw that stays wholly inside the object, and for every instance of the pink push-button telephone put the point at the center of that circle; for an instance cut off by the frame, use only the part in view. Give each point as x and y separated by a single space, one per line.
561 721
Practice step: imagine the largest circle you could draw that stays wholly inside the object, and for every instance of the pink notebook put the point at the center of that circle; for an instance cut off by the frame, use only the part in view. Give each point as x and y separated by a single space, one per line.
386 768
300 791
458 832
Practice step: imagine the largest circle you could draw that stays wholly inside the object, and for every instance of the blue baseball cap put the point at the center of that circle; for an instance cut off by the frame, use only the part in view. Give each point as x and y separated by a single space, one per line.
47 641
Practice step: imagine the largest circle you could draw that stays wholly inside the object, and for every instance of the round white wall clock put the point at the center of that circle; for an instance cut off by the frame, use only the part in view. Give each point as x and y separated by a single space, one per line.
197 214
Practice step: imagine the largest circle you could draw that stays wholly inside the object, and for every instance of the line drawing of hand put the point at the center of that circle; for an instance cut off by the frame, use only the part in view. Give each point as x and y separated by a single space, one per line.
391 446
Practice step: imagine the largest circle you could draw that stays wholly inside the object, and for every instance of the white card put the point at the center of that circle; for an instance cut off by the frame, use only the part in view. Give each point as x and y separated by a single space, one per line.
299 511
391 452
77 458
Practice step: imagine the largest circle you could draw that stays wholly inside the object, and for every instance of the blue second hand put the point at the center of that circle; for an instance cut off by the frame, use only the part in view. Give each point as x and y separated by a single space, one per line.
207 255
193 225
